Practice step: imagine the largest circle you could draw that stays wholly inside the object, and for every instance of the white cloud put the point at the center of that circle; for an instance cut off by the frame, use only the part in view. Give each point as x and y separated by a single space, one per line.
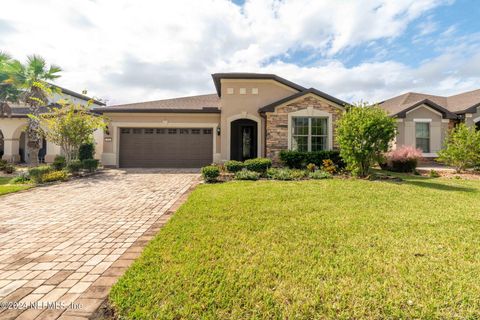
140 50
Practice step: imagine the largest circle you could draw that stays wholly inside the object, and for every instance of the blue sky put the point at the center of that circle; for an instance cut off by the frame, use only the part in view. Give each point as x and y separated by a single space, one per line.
367 50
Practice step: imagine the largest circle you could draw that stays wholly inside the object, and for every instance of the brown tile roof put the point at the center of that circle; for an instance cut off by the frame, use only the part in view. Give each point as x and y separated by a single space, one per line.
207 103
460 103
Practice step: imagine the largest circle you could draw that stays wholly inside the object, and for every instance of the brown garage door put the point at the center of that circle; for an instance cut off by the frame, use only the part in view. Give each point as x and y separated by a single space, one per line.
165 147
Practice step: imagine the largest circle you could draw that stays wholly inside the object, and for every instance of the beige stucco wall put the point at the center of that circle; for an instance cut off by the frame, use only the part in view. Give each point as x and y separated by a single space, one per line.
111 140
472 118
438 129
237 106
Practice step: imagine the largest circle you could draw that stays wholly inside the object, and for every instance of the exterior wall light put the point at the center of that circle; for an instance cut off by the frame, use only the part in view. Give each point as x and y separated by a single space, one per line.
218 131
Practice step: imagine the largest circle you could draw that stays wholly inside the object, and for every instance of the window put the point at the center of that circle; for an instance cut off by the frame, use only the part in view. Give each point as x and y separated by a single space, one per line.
422 135
148 131
207 131
183 131
309 133
195 131
243 91
254 90
123 130
137 131
160 131
230 91
172 131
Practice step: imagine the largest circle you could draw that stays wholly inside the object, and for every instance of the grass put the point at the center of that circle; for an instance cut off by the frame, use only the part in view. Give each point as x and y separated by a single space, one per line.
5 187
343 249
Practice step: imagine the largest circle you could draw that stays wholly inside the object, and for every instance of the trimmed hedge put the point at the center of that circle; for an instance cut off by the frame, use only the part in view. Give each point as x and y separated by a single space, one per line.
90 164
259 165
299 159
59 163
234 166
74 166
86 151
210 173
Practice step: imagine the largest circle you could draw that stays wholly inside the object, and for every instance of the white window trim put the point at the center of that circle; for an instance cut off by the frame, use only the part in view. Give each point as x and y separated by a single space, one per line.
429 136
422 120
311 112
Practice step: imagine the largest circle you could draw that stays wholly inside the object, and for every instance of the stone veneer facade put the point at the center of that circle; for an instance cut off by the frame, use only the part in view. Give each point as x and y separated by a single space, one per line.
277 123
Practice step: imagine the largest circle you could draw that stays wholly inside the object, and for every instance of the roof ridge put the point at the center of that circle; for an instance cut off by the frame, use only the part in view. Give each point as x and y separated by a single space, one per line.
168 99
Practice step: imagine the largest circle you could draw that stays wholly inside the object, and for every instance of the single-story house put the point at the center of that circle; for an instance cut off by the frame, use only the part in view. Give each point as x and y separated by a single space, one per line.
423 120
250 115
13 144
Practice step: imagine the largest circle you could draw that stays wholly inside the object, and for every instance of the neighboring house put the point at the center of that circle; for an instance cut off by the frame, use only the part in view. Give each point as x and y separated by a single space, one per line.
12 136
250 115
423 120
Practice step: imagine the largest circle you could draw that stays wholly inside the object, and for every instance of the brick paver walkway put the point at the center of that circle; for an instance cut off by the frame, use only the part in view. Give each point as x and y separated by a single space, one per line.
68 243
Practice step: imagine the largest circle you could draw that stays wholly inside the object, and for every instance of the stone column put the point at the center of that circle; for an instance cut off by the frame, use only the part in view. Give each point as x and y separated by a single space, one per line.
11 150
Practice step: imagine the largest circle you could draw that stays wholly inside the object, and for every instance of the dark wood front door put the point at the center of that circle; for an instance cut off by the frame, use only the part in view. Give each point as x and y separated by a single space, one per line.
243 139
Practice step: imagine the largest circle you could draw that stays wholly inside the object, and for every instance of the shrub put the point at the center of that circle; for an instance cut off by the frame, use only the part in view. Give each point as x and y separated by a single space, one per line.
51 176
247 175
286 174
234 166
329 166
299 160
311 167
90 164
59 163
319 174
86 151
363 134
9 168
433 174
462 148
259 165
210 173
3 163
74 166
36 174
404 159
21 178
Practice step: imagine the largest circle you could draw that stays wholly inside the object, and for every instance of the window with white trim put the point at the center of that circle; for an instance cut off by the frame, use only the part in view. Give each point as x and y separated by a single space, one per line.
422 136
309 133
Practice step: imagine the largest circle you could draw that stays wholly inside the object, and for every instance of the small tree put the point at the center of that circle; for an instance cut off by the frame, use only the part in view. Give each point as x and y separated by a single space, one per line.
69 126
363 134
462 148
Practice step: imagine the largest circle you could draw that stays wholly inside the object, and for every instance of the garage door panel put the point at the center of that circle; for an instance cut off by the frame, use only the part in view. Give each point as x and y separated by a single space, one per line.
162 147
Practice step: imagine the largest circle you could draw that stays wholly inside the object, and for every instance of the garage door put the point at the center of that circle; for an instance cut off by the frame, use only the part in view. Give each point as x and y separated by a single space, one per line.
165 147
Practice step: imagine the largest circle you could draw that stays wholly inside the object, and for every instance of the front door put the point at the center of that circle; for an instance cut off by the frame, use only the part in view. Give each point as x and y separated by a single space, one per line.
243 141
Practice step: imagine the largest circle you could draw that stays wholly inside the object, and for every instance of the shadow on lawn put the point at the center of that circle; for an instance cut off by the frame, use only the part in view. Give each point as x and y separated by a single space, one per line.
438 186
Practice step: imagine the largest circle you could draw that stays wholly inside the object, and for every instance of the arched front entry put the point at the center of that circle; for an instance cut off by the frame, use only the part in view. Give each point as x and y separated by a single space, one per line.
243 139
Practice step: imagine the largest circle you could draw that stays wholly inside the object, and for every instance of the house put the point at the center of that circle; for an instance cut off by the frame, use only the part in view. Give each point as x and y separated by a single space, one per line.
250 115
423 120
13 144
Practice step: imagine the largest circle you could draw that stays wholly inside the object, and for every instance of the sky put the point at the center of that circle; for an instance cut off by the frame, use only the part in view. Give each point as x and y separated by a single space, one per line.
356 50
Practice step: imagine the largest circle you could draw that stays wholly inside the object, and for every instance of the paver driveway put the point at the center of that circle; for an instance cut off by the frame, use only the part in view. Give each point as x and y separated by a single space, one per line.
69 242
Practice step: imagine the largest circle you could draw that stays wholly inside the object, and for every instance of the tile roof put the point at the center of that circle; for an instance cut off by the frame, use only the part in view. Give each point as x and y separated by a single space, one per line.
202 103
460 103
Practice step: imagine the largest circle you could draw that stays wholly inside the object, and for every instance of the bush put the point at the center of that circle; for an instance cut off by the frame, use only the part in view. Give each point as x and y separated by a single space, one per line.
59 163
36 174
90 164
55 176
329 166
404 159
3 163
299 160
74 166
363 134
311 167
462 148
433 174
86 151
21 178
234 166
259 165
9 168
247 175
286 174
210 173
319 174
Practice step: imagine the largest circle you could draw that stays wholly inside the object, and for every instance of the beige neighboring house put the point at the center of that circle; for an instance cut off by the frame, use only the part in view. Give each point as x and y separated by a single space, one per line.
250 115
423 120
12 136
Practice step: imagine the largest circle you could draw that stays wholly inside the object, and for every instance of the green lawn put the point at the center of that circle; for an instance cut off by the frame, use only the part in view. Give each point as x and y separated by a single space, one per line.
323 249
5 187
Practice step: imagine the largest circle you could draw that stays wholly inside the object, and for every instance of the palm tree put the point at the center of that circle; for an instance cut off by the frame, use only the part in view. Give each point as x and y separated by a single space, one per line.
31 78
9 93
